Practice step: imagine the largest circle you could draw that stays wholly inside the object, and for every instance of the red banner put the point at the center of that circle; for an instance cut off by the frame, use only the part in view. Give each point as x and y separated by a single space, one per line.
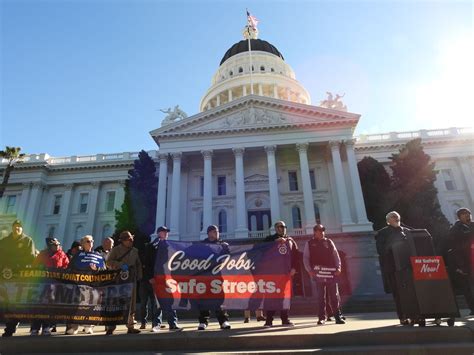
428 268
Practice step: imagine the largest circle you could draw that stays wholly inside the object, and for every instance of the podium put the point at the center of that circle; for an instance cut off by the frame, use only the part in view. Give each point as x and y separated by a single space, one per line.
422 282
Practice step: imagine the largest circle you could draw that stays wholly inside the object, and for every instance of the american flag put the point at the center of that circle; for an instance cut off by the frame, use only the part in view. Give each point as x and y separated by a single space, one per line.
252 21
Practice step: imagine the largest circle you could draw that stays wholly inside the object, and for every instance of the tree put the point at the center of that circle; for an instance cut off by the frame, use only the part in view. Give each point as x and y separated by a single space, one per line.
375 182
13 155
139 207
413 192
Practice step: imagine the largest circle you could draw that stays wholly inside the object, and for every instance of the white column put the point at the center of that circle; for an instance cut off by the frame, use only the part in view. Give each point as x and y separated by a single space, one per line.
340 183
355 181
33 208
467 175
218 100
120 194
161 194
175 196
229 93
260 89
275 91
273 185
241 231
207 193
244 90
63 220
92 208
307 190
23 207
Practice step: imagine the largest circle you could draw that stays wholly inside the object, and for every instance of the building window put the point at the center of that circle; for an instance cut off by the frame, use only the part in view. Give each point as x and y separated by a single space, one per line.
11 201
83 200
296 217
201 186
110 201
262 68
293 180
57 204
201 221
223 221
106 231
272 70
312 178
79 233
241 70
51 231
448 179
231 73
221 186
317 214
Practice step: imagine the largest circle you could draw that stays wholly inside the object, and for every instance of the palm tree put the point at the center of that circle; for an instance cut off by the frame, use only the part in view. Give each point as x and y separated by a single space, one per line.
13 155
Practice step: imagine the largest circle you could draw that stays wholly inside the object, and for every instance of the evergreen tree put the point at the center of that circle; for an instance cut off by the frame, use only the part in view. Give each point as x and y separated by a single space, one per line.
375 182
139 208
413 192
13 156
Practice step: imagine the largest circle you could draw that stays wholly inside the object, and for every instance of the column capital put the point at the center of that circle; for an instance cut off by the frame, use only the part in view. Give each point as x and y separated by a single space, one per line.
122 183
238 151
334 144
95 184
464 159
38 184
207 154
177 156
270 148
302 147
69 186
163 156
350 142
27 185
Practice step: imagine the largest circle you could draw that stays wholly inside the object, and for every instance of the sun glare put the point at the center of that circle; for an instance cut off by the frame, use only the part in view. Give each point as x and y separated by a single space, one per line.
446 101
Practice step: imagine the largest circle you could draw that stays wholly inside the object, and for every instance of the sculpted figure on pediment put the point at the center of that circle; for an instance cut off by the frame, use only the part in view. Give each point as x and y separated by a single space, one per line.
253 116
173 115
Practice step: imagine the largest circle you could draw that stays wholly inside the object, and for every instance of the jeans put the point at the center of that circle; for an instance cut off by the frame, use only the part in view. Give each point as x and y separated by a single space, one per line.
334 300
148 304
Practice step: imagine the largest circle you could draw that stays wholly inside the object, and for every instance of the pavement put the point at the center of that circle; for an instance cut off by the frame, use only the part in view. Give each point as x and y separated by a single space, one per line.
364 333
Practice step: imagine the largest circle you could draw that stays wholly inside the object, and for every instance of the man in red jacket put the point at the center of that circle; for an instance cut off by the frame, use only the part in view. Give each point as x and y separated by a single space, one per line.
52 257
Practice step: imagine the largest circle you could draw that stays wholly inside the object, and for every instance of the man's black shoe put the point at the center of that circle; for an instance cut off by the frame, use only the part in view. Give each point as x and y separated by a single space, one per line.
340 321
287 324
261 319
321 321
6 335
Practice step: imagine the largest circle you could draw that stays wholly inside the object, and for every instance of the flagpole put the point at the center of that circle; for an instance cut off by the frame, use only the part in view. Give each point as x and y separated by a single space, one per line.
251 71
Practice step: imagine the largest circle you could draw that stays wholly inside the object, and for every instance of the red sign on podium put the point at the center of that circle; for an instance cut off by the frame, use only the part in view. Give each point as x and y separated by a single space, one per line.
428 268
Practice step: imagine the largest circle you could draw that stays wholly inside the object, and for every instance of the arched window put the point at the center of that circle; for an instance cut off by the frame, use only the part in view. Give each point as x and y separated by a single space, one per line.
296 216
51 231
241 70
317 214
262 68
223 221
272 70
79 233
106 231
231 73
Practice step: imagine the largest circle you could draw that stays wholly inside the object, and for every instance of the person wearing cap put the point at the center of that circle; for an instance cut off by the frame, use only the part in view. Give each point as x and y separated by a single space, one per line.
125 256
319 252
385 238
280 236
156 253
221 314
52 257
459 259
17 250
74 249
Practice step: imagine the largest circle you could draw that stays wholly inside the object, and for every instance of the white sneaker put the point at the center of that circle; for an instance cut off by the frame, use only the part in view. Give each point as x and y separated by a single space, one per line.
202 326
156 329
71 331
225 325
88 330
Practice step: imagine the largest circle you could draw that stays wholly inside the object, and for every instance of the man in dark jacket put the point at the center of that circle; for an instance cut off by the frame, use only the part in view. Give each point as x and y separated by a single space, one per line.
385 240
320 252
281 237
460 242
156 254
221 314
17 250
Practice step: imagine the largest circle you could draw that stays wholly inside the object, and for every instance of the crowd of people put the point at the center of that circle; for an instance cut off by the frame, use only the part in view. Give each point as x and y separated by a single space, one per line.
321 261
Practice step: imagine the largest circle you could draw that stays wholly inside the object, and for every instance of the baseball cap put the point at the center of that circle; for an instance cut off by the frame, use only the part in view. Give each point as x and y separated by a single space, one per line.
462 211
162 229
319 227
52 241
17 221
212 227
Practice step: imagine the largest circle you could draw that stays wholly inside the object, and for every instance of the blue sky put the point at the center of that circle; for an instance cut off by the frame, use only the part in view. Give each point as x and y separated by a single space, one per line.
89 76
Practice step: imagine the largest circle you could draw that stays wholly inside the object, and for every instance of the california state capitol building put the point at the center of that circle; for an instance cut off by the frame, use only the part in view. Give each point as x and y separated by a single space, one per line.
259 150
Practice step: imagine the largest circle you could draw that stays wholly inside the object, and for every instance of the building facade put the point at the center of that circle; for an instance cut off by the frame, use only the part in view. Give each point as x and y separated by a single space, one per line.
258 152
